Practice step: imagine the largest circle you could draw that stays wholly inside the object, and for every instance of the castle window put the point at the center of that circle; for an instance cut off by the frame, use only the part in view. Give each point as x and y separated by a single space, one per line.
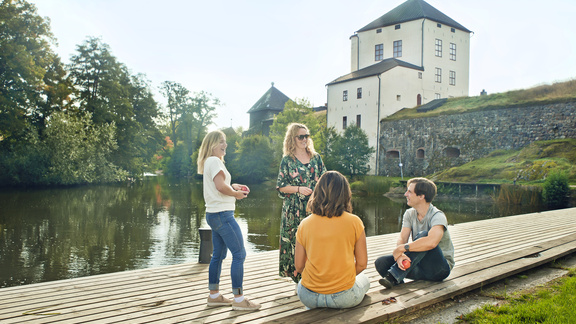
419 75
379 52
437 96
398 48
359 121
344 122
453 30
359 93
452 77
397 26
452 152
438 47
439 25
378 31
453 51
420 153
438 75
393 154
345 95
398 97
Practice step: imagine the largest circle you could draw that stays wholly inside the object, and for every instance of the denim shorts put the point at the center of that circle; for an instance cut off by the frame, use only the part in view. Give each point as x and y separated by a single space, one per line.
342 299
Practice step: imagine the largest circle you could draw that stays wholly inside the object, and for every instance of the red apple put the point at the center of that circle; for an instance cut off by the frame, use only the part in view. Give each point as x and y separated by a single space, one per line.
406 263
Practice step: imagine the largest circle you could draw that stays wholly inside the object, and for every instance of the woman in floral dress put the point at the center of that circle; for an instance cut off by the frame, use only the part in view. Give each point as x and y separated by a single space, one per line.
300 169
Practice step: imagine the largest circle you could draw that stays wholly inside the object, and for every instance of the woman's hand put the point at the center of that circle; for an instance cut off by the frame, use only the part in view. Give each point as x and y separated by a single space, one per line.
304 190
241 187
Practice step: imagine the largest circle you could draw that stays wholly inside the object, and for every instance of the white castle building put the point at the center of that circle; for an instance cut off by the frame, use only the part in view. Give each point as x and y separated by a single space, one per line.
408 57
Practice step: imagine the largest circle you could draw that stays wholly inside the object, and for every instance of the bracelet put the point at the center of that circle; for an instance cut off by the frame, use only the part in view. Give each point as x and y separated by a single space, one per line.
298 189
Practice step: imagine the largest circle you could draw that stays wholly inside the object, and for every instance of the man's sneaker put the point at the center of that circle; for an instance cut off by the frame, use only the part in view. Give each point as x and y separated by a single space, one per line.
219 301
245 305
388 281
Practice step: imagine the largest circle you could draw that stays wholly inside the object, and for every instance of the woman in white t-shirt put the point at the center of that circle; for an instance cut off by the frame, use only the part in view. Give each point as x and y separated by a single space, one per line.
220 197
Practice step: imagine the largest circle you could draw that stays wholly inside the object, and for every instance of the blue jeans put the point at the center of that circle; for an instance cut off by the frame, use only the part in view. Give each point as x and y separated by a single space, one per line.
426 265
226 235
343 299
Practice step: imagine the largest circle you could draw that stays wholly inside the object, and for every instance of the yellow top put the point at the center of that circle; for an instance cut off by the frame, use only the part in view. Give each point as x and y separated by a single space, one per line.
329 245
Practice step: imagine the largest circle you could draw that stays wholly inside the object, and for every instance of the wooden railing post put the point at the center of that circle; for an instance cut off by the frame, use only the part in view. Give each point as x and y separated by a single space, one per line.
205 253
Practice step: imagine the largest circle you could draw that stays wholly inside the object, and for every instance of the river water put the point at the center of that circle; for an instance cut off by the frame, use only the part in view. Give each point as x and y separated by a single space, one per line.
51 234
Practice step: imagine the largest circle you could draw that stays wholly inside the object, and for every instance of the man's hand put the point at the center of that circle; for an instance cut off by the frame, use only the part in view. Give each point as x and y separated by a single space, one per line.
403 262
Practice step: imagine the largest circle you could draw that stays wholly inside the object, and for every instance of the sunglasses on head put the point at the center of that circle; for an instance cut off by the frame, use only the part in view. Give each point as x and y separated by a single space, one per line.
302 137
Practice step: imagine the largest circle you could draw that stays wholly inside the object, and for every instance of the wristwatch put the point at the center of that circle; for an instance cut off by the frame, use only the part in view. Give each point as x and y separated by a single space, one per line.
407 247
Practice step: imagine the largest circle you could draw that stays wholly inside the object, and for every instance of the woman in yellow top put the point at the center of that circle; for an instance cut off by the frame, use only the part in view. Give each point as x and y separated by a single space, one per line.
331 248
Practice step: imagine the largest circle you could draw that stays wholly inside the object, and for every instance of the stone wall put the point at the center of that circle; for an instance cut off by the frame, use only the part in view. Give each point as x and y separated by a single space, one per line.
426 145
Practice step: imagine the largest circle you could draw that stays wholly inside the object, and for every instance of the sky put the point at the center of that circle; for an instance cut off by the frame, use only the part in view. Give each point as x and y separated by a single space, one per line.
234 50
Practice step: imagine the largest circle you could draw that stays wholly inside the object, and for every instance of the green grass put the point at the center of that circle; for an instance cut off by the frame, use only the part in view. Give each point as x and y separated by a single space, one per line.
552 303
544 94
529 165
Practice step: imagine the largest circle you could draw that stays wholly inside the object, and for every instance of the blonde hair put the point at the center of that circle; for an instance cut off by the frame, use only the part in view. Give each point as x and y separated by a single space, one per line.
290 140
210 141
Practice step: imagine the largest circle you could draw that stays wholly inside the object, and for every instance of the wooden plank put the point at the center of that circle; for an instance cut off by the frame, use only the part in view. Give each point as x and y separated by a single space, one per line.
178 293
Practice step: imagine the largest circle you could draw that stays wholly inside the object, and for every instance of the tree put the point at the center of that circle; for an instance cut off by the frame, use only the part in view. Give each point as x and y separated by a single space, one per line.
111 95
80 151
196 118
233 139
188 118
349 153
25 58
254 160
55 93
177 98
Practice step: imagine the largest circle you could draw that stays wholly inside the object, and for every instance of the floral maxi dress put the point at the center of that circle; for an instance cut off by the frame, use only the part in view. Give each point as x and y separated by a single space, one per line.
294 173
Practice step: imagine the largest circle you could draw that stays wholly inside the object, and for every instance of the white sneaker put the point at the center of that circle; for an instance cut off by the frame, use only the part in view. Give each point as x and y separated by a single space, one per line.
245 305
219 301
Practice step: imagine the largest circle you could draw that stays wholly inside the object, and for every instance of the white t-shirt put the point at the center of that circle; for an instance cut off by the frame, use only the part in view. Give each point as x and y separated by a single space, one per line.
215 200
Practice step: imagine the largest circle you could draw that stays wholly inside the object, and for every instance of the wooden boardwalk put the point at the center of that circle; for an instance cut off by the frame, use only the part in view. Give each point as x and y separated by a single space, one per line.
485 251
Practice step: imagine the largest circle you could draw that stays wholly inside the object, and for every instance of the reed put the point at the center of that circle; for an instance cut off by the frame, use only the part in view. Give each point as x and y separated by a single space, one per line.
519 195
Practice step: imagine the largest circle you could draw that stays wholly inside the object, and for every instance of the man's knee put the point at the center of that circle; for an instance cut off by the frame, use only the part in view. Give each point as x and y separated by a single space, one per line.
383 263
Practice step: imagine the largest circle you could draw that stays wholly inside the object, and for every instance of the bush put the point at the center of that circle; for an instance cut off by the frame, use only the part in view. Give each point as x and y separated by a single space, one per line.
371 186
556 190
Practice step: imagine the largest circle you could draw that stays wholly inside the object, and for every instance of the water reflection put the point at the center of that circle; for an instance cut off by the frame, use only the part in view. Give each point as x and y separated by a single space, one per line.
50 234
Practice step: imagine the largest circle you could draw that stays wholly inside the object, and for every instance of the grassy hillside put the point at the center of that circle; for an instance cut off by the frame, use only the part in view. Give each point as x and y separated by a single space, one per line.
529 165
544 94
